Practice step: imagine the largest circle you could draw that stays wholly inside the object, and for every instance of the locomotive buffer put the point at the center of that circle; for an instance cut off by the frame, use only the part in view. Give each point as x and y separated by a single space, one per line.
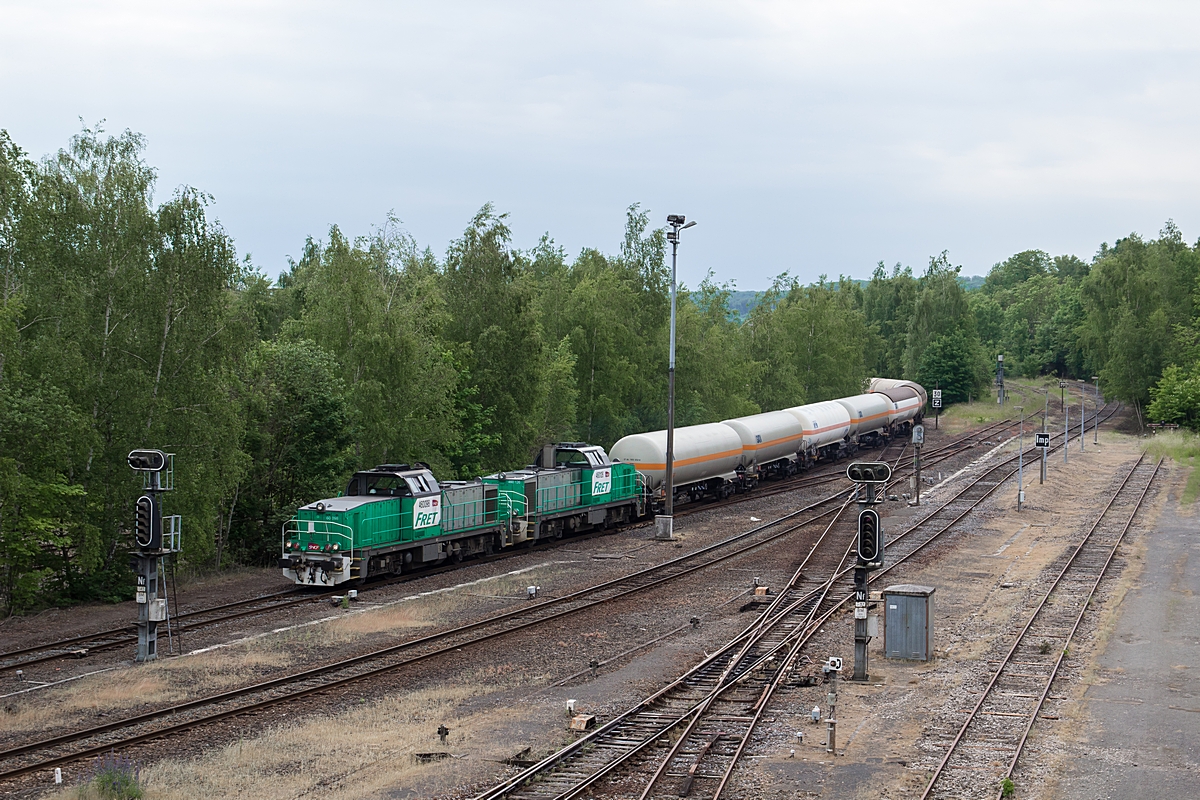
869 476
152 542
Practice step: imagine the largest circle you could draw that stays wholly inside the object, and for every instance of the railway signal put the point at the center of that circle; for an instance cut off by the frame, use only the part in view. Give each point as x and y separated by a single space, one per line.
868 548
158 476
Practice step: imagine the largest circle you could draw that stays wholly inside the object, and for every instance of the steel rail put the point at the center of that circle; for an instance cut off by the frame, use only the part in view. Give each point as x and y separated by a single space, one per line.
149 716
514 783
499 618
1074 628
723 682
105 639
1018 640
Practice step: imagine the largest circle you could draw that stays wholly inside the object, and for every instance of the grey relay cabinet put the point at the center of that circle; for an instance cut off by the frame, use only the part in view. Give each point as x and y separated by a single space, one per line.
908 622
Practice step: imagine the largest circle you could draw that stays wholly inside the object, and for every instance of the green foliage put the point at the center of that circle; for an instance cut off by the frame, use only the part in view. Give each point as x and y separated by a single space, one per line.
941 308
1007 787
808 344
1176 397
951 362
1134 297
126 322
888 306
298 439
714 378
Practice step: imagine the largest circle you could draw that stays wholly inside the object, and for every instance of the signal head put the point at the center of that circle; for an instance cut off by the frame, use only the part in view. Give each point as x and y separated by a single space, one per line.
870 539
147 460
144 523
869 472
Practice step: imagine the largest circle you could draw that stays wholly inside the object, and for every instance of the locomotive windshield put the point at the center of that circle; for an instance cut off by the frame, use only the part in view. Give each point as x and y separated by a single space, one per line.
378 485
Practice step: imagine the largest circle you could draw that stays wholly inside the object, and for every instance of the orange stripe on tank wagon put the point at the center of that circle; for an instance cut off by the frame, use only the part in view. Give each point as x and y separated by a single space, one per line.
771 442
684 462
815 431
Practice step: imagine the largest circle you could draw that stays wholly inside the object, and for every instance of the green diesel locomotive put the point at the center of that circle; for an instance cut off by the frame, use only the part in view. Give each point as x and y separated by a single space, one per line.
397 517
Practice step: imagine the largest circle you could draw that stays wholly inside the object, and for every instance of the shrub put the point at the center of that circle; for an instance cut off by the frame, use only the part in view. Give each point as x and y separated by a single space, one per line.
117 778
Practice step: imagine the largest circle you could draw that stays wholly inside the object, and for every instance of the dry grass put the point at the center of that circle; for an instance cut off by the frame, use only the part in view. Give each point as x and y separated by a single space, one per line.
1183 447
120 692
983 411
361 753
124 691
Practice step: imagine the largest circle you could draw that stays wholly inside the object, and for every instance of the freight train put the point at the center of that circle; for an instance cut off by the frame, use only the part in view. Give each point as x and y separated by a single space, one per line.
397 517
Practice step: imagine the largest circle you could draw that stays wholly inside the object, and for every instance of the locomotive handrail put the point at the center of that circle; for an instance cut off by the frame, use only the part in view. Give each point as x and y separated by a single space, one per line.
508 496
310 527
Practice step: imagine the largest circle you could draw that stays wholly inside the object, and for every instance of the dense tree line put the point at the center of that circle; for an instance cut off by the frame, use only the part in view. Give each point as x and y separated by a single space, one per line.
128 322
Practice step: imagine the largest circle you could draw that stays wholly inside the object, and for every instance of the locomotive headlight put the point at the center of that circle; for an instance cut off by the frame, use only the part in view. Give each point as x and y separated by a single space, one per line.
335 547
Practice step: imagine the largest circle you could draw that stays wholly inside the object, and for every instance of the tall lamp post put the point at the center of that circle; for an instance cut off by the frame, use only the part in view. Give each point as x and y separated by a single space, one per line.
1096 427
664 523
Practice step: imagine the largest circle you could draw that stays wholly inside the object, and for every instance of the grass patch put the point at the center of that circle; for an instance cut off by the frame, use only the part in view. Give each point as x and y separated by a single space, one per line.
366 750
1184 448
129 690
985 410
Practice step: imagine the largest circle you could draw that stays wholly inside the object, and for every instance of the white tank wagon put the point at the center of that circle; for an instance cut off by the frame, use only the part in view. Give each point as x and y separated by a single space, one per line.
708 458
770 442
826 426
881 384
907 407
870 415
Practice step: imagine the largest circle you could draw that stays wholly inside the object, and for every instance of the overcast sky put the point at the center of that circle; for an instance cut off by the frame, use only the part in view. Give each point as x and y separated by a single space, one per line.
807 137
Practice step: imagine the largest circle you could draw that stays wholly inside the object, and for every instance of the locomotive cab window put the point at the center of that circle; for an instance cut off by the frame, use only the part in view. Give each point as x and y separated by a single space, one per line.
422 483
570 458
387 486
378 485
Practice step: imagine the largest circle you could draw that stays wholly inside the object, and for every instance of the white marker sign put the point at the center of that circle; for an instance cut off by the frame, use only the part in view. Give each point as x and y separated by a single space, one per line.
601 481
427 512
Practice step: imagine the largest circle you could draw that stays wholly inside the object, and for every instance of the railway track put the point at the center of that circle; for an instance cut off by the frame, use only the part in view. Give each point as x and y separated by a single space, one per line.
706 718
58 750
996 729
192 621
85 644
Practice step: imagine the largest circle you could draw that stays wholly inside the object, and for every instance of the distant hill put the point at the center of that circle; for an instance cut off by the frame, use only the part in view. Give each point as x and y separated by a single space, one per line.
740 303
